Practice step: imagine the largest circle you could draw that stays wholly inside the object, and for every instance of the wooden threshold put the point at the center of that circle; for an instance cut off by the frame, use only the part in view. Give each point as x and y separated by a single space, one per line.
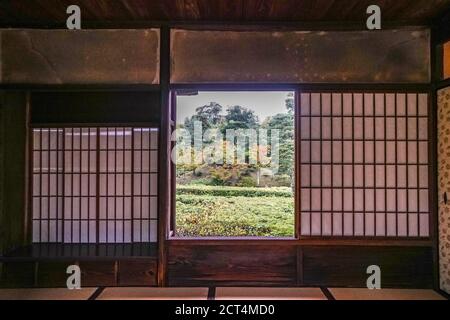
297 242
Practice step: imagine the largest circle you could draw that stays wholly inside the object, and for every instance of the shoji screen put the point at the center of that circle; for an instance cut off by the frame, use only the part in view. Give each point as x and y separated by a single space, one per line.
364 164
94 185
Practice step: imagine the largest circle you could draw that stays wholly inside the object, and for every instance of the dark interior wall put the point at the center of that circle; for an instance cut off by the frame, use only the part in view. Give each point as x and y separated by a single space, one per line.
79 57
277 265
304 265
12 169
385 56
55 108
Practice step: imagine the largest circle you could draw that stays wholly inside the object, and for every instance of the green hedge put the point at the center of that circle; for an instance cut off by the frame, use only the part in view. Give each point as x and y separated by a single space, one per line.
213 216
221 191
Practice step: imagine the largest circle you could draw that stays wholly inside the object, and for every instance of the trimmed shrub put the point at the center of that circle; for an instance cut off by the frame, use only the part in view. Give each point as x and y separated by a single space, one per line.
234 191
247 182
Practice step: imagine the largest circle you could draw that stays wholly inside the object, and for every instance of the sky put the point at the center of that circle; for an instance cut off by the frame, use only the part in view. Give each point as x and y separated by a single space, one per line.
266 103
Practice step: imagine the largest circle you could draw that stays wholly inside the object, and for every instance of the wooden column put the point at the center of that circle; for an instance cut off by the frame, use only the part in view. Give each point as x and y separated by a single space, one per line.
164 155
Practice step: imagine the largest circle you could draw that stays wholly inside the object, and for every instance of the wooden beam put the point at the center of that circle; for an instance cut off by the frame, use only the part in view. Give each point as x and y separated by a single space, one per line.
164 155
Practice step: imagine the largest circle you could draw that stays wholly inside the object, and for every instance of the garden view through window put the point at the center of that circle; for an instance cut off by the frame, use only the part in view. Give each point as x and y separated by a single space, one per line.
234 155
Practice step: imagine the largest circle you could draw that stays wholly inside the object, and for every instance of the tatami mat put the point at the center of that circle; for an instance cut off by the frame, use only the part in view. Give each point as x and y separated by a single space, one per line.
46 294
384 294
154 294
269 294
221 293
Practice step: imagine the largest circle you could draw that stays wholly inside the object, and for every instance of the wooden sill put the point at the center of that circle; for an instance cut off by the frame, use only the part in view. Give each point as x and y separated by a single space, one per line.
62 252
310 241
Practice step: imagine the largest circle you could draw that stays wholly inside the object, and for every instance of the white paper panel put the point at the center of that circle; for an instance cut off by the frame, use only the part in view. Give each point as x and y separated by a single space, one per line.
80 190
315 151
337 224
337 176
315 175
326 104
326 151
337 104
348 128
305 104
337 199
326 176
359 224
391 155
380 224
411 104
327 224
315 104
369 200
369 147
315 128
391 220
402 225
370 224
359 176
424 225
359 200
358 131
348 199
348 152
337 151
379 176
348 224
379 128
326 128
369 128
358 107
305 176
348 176
305 223
337 128
316 224
326 199
304 201
413 228
424 201
316 200
380 205
391 201
379 142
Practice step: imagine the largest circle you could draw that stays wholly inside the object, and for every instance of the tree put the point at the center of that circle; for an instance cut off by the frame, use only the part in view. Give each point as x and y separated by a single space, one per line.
284 122
209 115
238 117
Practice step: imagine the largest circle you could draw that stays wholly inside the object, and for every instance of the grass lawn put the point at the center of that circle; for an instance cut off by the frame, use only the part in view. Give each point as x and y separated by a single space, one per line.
230 211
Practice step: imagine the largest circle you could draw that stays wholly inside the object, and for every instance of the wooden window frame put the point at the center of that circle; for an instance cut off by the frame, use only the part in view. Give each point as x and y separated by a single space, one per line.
144 97
205 88
314 240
